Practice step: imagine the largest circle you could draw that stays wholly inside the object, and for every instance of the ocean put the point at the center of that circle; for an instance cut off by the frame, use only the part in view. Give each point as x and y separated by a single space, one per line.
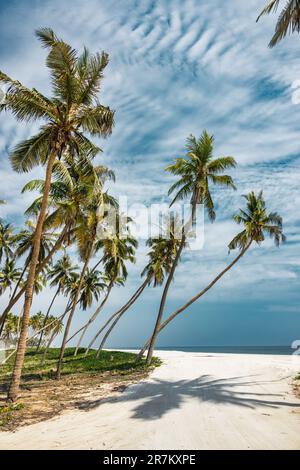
278 350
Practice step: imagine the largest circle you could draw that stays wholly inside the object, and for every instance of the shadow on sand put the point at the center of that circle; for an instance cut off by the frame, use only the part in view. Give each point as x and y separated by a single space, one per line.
156 397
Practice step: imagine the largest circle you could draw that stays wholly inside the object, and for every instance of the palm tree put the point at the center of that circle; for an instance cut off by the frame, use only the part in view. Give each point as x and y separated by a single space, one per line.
65 197
40 268
23 241
288 21
10 332
117 250
196 172
6 241
92 287
69 291
161 257
59 276
9 275
257 224
73 110
86 236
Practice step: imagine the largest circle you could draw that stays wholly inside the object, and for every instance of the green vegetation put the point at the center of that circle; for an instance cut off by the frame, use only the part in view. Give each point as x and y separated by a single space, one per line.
7 412
72 214
113 361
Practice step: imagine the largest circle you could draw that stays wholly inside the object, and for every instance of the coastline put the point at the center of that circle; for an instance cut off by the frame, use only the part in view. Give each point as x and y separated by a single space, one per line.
192 401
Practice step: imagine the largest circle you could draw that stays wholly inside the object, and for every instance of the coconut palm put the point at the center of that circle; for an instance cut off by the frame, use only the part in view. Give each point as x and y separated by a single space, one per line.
73 110
86 234
10 332
196 172
17 294
288 21
161 257
65 197
258 224
92 287
9 275
23 241
69 291
117 251
6 241
59 276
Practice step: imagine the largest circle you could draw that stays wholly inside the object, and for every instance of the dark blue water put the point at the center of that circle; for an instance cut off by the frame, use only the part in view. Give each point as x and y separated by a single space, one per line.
279 350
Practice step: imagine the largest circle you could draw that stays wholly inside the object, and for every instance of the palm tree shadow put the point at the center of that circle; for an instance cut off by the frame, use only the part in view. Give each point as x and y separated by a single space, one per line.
156 398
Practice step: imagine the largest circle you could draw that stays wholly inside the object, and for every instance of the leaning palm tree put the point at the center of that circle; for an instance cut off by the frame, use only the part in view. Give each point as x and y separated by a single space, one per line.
196 172
161 256
59 276
117 251
257 224
73 110
288 21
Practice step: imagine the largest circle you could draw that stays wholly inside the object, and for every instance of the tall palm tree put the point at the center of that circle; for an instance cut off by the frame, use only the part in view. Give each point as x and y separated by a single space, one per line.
117 250
59 276
9 275
6 241
161 258
257 224
86 234
288 21
196 172
73 110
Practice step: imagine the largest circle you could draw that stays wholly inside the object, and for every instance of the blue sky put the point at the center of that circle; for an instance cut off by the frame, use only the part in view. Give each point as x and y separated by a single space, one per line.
178 67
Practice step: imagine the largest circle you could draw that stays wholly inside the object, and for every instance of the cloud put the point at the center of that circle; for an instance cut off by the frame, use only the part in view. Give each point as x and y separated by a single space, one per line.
177 68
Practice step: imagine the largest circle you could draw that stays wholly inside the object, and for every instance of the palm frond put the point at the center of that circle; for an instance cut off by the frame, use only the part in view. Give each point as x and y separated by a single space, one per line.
31 152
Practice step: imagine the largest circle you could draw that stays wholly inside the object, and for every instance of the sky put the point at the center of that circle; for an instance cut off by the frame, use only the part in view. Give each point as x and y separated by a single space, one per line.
177 68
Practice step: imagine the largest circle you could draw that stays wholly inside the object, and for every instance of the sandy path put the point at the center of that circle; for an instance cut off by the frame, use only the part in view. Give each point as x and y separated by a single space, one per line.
193 401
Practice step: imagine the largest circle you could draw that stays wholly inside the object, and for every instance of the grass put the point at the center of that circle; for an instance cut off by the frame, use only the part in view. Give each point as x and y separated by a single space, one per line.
83 379
112 361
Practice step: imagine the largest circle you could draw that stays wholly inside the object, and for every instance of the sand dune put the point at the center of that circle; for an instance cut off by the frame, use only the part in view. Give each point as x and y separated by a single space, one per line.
193 401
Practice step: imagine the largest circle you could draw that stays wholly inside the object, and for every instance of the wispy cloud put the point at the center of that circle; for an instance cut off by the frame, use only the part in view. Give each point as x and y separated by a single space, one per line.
177 68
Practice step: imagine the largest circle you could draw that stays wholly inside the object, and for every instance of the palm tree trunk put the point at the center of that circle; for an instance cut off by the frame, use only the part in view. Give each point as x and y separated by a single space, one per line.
107 335
169 280
16 377
69 321
119 314
193 299
93 318
39 268
163 302
46 318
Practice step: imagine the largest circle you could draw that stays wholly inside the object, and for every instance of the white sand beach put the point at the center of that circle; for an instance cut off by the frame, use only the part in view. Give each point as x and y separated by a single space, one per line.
193 401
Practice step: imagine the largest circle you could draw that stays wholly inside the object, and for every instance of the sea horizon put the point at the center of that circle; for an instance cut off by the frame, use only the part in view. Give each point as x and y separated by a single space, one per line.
283 350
